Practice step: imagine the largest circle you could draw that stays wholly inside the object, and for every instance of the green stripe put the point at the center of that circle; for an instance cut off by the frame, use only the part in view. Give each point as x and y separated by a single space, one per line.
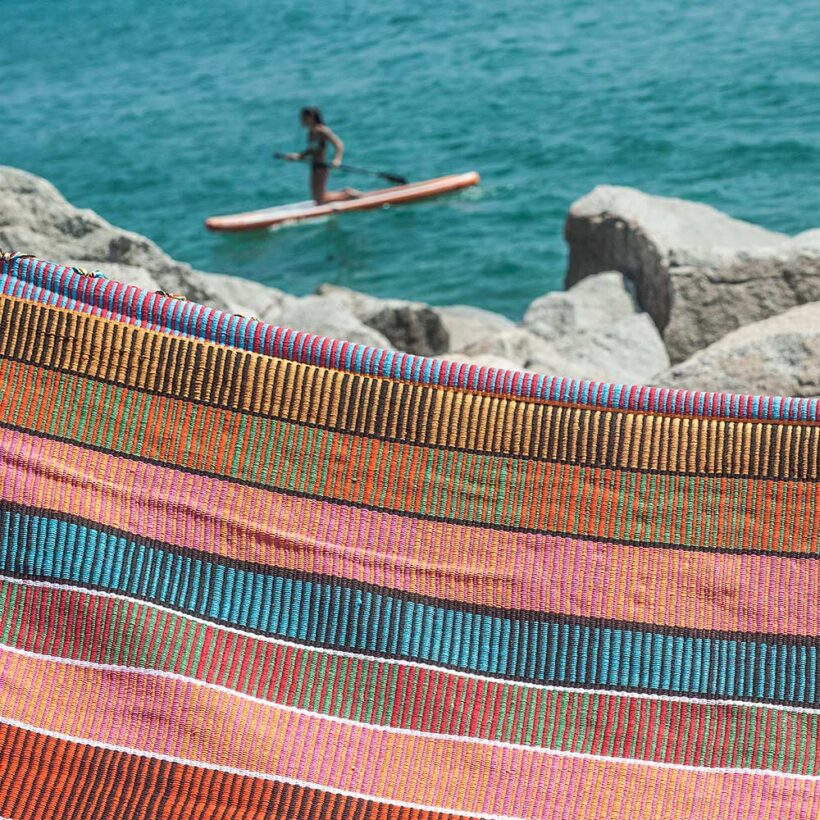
294 449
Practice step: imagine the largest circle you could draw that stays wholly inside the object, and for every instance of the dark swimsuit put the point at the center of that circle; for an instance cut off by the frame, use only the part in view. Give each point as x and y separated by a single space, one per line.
317 147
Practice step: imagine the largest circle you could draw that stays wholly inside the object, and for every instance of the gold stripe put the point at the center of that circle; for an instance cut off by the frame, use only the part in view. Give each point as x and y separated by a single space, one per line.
252 383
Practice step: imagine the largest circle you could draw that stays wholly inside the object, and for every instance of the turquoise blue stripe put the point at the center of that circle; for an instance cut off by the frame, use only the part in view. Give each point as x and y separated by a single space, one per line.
539 648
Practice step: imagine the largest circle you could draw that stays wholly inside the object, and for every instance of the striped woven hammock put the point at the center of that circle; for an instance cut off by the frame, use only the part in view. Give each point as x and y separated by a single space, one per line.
247 572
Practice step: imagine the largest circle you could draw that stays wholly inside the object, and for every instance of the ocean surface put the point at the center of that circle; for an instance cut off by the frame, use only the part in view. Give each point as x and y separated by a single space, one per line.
158 114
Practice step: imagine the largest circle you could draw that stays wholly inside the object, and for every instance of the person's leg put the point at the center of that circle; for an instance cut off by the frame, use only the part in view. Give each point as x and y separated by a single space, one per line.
341 196
318 183
318 188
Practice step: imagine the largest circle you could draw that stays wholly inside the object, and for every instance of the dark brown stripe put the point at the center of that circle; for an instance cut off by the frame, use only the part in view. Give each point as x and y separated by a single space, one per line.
200 372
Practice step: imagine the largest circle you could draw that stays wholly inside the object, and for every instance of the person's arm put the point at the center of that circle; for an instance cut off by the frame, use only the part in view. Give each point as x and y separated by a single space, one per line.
296 157
338 145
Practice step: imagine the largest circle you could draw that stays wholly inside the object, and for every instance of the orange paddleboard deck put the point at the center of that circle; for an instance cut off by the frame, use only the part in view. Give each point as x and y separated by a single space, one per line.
299 211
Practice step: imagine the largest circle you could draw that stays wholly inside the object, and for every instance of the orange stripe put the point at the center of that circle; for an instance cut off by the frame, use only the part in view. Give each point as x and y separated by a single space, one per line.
135 357
564 485
89 782
166 716
486 567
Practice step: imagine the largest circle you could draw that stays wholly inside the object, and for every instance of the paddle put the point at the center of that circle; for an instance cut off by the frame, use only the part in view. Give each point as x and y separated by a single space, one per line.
389 177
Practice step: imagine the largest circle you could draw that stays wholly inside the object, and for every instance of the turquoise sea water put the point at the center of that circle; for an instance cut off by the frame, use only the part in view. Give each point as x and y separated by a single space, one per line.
159 114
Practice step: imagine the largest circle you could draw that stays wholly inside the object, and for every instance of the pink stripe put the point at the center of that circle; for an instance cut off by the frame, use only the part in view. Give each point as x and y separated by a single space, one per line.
176 717
742 593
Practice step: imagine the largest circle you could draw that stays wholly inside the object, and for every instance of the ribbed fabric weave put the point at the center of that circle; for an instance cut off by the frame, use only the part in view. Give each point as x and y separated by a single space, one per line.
246 572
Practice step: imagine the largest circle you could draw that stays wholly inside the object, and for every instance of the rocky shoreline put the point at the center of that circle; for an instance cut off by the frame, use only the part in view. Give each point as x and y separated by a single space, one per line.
659 291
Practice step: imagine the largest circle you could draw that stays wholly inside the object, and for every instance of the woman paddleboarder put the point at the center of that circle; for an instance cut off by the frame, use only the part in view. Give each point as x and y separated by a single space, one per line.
319 135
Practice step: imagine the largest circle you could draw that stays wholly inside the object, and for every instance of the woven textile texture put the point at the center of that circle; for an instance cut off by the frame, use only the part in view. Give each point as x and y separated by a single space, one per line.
247 572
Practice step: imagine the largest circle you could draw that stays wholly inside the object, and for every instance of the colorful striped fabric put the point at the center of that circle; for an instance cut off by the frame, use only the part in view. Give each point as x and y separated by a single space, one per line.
246 572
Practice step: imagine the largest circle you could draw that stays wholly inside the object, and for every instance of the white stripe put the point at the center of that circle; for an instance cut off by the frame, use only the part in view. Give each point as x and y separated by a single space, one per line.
390 730
247 773
705 700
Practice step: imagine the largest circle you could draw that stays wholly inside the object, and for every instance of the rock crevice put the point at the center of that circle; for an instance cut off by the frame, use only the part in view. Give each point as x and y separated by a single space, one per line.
699 273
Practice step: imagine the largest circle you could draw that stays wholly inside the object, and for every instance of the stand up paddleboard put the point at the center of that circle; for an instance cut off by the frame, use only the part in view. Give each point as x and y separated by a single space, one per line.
298 211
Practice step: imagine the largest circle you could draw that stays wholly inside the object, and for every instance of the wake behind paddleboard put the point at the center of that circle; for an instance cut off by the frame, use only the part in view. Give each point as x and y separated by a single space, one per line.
298 211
